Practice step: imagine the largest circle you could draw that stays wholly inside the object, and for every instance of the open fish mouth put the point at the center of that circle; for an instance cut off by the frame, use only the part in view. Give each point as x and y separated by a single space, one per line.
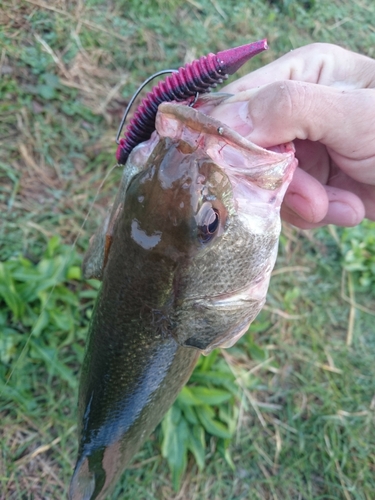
268 168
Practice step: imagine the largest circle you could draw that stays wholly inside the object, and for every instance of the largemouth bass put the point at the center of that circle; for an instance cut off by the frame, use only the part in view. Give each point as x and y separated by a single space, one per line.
185 258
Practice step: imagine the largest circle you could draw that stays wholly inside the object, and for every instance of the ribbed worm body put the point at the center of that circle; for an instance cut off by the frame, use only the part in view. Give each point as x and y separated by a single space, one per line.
199 76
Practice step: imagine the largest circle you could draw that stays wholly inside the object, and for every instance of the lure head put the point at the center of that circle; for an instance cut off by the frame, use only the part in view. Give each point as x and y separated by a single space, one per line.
232 59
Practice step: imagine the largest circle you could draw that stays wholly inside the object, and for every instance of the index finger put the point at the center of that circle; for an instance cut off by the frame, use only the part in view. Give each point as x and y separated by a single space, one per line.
321 63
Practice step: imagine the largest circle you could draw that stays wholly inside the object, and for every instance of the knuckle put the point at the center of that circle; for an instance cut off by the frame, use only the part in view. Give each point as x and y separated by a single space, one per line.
325 48
292 98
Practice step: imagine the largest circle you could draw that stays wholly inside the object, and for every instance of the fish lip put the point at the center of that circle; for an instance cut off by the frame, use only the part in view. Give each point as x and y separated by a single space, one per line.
200 122
241 294
223 297
204 123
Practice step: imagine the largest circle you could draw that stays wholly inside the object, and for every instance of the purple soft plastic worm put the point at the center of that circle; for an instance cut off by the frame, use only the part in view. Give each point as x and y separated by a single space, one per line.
200 76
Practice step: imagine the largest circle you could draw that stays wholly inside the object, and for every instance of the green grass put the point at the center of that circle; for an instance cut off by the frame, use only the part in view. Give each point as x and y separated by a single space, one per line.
297 400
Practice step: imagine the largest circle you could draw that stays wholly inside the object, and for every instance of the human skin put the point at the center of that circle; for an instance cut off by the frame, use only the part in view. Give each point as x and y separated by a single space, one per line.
322 97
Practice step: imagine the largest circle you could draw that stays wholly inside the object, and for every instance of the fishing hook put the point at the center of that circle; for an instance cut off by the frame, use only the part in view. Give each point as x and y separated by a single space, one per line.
137 92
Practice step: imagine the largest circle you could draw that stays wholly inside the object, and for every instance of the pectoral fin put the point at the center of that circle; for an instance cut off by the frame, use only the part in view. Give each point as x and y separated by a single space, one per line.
97 254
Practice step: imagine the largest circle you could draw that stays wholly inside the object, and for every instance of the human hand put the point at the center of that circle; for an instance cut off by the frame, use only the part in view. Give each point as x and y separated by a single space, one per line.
322 97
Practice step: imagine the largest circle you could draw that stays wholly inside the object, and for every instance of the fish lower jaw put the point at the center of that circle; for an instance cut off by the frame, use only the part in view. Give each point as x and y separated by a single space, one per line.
235 333
249 299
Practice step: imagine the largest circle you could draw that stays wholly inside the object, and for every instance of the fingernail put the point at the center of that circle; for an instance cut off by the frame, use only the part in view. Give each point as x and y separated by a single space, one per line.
300 206
241 103
235 115
244 95
341 214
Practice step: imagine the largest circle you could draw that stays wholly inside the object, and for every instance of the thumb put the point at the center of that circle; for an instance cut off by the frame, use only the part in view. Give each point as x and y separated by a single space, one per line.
342 120
283 111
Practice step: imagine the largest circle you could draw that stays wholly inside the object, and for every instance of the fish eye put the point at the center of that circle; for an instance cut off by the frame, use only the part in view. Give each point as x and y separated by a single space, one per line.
209 225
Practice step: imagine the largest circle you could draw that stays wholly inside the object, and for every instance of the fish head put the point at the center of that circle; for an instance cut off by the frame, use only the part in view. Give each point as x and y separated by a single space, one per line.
179 204
210 200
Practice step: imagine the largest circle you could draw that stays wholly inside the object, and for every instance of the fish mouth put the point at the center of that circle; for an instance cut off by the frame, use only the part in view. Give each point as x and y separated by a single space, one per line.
269 169
287 147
